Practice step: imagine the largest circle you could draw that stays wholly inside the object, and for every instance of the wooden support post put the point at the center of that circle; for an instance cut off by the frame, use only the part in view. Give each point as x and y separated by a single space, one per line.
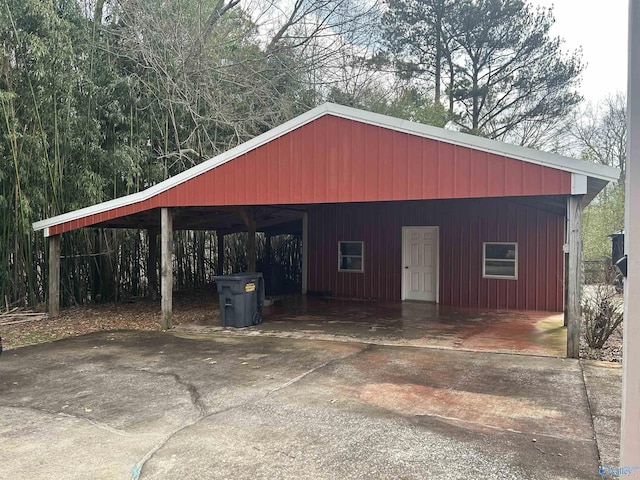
220 262
630 422
54 276
251 239
566 286
305 252
166 233
574 293
152 264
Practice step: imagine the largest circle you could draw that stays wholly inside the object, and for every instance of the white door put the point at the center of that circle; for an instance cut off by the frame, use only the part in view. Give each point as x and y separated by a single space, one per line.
420 263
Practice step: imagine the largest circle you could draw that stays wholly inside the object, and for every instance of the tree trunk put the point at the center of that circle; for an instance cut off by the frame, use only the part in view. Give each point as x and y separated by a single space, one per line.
97 14
135 264
152 264
476 113
96 278
220 253
200 257
106 252
452 79
438 58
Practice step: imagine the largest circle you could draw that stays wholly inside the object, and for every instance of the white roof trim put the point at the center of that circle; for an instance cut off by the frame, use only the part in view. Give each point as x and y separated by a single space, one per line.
462 139
579 184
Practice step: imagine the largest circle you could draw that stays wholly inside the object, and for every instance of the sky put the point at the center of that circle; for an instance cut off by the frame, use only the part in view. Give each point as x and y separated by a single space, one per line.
600 28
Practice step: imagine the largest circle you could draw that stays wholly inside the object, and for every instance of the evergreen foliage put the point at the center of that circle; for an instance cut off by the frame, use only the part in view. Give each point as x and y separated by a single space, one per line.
495 61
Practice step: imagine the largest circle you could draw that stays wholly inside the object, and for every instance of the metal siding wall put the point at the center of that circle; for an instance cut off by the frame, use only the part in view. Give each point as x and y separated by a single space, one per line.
462 168
385 165
464 226
295 171
319 166
337 160
363 232
361 152
495 175
445 171
512 228
430 168
374 154
456 241
414 185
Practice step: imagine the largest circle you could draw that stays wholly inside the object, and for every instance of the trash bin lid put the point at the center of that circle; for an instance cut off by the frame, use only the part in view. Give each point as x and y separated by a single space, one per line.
238 276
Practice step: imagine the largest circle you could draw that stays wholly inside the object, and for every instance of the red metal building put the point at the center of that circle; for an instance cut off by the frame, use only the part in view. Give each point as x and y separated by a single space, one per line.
389 209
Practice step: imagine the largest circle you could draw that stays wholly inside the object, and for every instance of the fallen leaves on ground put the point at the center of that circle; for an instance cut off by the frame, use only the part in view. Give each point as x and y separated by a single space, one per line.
140 314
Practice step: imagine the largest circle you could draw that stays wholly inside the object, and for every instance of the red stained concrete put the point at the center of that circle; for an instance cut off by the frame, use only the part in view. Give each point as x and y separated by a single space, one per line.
413 324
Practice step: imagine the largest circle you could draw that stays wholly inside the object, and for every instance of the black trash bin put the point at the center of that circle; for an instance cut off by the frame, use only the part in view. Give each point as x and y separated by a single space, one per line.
241 298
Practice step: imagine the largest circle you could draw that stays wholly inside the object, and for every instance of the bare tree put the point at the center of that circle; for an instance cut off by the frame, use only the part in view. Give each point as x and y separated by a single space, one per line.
222 71
601 132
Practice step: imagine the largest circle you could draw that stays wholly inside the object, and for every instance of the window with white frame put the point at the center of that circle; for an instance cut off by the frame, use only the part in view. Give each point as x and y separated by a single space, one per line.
351 256
500 260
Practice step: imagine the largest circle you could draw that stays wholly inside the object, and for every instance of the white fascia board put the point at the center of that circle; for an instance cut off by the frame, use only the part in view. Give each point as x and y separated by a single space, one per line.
439 134
578 184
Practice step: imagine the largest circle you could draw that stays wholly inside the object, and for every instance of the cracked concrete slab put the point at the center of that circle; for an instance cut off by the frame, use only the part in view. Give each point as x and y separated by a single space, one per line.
37 445
158 405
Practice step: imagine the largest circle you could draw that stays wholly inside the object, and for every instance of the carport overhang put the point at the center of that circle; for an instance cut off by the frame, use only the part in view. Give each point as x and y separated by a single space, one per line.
326 156
269 219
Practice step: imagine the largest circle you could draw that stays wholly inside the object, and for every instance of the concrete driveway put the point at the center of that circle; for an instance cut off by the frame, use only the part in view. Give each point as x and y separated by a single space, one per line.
160 405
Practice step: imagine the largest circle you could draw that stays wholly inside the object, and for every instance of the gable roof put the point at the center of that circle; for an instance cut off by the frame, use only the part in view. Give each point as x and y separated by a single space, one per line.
598 172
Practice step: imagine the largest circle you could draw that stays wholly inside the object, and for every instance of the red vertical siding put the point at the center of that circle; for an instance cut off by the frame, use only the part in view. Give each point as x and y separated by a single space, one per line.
336 160
464 226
